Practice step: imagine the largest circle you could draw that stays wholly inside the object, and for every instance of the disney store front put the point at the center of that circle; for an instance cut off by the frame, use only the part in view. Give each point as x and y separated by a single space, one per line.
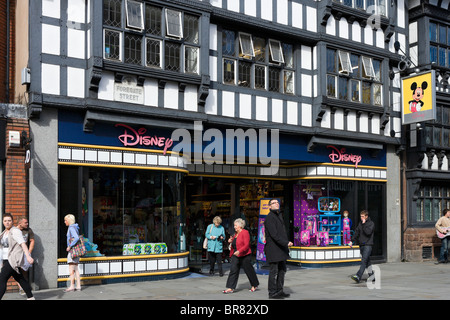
127 201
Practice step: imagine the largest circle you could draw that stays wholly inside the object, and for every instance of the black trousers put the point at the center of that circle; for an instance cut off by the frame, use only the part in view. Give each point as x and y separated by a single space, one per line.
235 268
213 257
6 273
277 272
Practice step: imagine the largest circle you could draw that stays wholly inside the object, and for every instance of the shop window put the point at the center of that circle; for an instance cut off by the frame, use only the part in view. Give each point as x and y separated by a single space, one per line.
439 35
128 206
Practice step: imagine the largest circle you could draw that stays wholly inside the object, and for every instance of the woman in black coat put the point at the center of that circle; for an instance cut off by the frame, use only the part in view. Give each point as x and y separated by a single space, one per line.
276 250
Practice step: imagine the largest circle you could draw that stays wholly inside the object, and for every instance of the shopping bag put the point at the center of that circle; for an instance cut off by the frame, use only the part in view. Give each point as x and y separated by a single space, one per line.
79 249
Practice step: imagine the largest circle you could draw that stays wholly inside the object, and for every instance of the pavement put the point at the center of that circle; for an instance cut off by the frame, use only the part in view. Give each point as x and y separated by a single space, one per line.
394 281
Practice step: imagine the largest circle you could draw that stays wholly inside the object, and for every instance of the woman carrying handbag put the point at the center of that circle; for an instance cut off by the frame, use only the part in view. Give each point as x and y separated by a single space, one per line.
215 234
73 237
240 257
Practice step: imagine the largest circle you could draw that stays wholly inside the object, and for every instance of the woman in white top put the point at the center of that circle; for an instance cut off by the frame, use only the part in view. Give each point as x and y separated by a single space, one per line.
14 251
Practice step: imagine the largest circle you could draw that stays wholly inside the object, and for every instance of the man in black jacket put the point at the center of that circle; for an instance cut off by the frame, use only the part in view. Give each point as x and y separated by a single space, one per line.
276 250
364 237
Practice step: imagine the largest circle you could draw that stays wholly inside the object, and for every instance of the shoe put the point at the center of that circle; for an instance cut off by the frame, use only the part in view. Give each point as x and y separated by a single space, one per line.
21 292
439 262
227 291
77 289
285 295
253 289
211 272
276 295
69 290
355 278
221 274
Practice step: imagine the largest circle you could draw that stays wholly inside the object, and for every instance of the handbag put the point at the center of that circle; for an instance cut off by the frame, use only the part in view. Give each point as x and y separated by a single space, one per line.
79 249
205 242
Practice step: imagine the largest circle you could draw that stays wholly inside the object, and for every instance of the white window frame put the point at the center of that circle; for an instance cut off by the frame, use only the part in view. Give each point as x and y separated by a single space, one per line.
139 23
242 36
277 43
293 82
169 32
120 45
160 52
368 67
346 63
198 59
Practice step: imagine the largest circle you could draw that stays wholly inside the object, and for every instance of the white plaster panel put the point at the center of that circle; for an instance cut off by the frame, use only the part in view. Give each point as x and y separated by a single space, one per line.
306 115
151 92
50 79
245 106
76 11
277 110
261 108
76 43
211 102
51 39
171 95
228 104
51 8
297 15
292 112
75 82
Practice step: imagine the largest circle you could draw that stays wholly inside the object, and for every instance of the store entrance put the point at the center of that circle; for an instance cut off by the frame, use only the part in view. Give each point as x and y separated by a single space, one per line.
208 197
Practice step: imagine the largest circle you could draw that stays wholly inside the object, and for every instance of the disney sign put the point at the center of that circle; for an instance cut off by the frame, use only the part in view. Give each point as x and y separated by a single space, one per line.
339 155
131 138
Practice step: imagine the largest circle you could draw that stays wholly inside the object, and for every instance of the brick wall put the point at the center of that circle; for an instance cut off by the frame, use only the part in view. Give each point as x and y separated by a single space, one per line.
421 244
16 179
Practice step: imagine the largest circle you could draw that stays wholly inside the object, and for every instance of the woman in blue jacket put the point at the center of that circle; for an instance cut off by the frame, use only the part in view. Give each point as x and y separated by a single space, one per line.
215 234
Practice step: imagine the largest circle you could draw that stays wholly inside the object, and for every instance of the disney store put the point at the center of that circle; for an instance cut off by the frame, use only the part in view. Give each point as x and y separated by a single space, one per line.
127 190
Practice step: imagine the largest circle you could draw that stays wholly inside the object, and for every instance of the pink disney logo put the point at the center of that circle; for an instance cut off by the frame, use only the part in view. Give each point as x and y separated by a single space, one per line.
137 138
337 155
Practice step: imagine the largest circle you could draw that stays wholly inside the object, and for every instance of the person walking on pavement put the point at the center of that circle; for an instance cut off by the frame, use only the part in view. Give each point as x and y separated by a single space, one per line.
276 250
73 236
215 234
443 227
14 252
364 237
28 236
240 254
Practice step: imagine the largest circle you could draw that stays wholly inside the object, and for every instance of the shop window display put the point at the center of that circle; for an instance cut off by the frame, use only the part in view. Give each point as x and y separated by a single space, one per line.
333 206
129 207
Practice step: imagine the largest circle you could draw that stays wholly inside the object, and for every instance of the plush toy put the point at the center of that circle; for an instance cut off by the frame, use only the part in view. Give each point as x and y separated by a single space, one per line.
346 227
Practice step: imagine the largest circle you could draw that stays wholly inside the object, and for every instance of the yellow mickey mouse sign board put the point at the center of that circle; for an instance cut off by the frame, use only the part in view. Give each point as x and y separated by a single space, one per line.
419 98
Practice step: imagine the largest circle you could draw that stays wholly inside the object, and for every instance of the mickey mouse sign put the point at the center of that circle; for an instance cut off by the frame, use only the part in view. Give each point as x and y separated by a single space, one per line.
419 98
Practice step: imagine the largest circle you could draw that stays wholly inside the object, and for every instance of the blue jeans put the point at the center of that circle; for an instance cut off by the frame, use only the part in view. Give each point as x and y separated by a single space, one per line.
444 249
365 251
